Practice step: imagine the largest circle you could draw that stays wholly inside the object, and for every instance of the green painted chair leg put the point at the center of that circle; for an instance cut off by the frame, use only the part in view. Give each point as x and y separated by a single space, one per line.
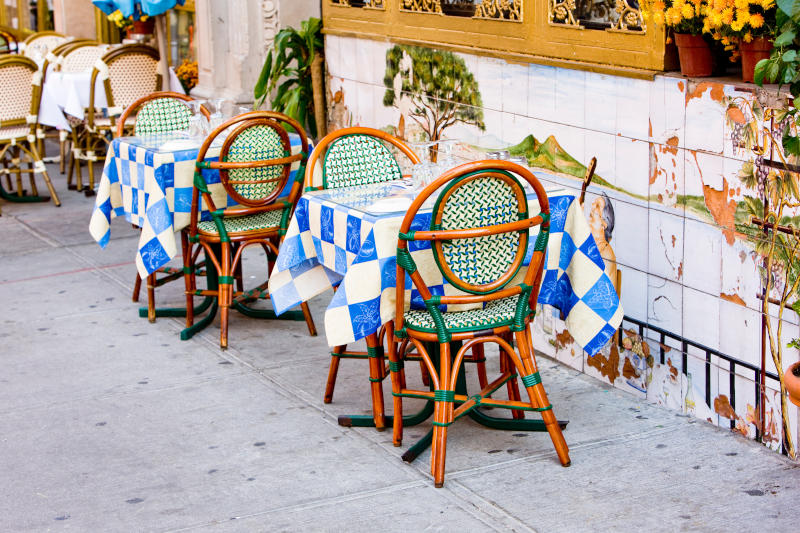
178 311
267 313
201 324
418 447
25 198
364 421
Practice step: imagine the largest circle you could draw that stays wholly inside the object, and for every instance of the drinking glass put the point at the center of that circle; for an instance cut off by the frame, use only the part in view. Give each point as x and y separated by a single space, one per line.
220 112
423 173
198 124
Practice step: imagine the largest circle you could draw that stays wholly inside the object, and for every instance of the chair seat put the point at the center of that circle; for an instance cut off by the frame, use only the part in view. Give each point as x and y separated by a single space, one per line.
496 313
14 132
265 220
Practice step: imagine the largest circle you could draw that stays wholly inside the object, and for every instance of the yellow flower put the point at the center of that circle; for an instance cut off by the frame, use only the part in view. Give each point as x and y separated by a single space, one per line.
747 37
659 6
658 18
756 21
743 16
737 25
741 4
727 15
687 11
767 4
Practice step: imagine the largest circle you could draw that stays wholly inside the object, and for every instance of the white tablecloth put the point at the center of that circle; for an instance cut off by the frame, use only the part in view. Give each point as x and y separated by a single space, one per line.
68 92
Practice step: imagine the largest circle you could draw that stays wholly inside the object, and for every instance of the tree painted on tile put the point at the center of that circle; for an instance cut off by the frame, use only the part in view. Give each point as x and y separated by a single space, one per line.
434 86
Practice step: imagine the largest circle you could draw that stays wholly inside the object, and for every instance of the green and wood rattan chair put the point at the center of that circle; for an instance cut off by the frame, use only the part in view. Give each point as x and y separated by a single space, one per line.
20 82
254 165
39 43
360 156
160 112
479 233
128 73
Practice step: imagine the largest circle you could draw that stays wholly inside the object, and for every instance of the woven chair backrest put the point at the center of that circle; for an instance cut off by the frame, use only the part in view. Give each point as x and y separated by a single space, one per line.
81 58
131 75
256 141
162 115
17 76
358 159
41 44
478 200
8 44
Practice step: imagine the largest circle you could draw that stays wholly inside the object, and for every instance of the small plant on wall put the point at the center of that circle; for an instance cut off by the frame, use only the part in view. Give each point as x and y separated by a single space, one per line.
435 87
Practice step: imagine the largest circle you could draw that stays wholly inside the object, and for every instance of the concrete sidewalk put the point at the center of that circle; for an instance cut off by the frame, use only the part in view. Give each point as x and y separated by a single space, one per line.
110 423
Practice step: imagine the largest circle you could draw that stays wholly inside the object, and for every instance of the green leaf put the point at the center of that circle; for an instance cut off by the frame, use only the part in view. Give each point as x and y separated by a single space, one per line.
785 38
790 7
789 56
260 89
760 71
791 144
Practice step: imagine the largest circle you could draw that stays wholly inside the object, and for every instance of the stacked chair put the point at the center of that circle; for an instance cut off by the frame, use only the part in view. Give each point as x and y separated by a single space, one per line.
40 43
478 236
19 110
254 166
8 43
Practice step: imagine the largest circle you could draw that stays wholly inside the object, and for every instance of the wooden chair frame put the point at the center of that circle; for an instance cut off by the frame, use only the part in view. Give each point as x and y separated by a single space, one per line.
444 377
94 135
170 274
32 38
228 261
9 39
24 144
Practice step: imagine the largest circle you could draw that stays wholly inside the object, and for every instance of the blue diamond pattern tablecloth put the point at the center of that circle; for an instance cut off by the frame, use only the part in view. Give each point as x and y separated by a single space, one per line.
333 240
152 189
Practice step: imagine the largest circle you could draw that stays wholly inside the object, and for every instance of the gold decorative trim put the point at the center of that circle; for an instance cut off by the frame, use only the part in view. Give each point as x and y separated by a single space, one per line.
368 4
628 17
562 13
421 6
499 9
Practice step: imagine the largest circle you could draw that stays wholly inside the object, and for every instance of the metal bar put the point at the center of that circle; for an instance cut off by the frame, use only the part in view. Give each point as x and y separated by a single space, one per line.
708 378
732 387
661 350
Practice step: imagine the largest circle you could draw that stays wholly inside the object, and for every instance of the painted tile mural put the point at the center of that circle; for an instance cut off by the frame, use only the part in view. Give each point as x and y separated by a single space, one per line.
675 183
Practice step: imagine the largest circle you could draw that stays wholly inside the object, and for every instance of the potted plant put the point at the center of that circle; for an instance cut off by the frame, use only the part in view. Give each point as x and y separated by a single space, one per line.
138 23
792 379
685 21
747 26
296 61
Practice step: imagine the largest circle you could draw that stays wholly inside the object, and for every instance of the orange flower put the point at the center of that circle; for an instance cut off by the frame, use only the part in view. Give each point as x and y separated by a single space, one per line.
756 21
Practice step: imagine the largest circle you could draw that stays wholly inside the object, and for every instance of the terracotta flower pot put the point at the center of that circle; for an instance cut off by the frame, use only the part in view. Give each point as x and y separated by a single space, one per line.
694 55
791 379
143 27
753 52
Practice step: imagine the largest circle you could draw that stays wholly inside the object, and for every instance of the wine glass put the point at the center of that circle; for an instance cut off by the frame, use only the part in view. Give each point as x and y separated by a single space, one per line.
198 124
423 172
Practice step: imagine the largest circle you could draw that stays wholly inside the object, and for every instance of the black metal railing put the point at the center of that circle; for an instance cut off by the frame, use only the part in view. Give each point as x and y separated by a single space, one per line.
662 335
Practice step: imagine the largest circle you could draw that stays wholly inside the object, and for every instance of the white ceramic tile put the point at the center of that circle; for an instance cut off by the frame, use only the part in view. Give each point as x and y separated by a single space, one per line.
665 245
384 115
570 93
515 88
542 92
667 109
633 166
365 110
378 58
601 103
700 378
705 116
702 252
490 81
634 292
516 128
665 304
667 184
667 383
347 58
603 147
364 72
633 108
741 281
570 139
333 55
631 235
700 317
740 332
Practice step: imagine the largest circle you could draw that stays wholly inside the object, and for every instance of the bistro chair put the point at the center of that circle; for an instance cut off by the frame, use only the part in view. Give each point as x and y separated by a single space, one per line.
160 112
254 166
8 43
19 108
128 73
478 236
360 156
82 54
39 43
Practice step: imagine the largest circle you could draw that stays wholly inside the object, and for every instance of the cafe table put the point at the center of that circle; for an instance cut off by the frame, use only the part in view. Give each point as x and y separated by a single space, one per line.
148 180
348 238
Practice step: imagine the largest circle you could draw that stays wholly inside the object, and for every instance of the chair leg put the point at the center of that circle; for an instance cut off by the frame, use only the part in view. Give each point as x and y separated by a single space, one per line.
62 151
333 371
224 295
312 329
151 297
511 385
137 285
423 370
442 418
538 396
189 279
479 356
376 380
38 161
398 383
31 177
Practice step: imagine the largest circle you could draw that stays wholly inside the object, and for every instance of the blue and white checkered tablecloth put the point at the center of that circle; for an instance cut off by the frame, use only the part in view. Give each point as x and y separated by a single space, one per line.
334 239
149 182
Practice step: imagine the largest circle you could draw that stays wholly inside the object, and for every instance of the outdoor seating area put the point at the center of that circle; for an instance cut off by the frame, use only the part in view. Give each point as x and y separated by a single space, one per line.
277 301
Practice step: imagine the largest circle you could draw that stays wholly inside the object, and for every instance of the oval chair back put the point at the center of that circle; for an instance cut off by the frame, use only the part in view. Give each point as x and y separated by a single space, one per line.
128 73
80 56
357 156
479 235
159 112
40 43
21 86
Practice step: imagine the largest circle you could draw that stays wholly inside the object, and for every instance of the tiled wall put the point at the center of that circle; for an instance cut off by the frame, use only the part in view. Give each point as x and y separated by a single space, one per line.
664 149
